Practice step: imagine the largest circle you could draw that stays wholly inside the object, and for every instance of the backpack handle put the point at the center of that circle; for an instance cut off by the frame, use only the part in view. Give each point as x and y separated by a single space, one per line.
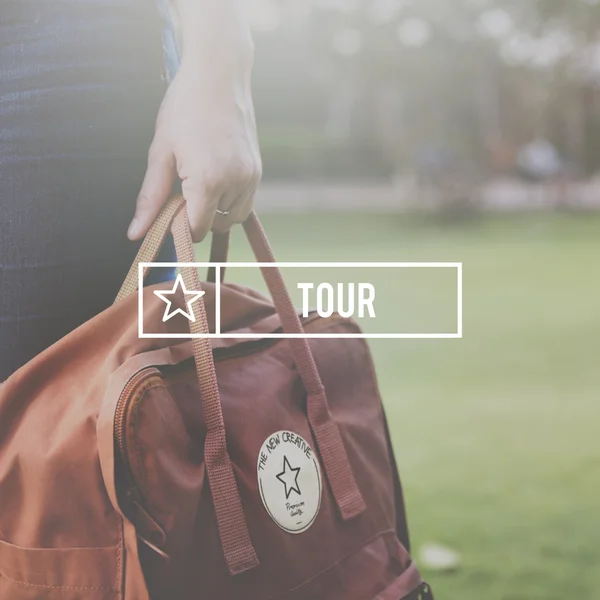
150 246
233 529
154 240
239 553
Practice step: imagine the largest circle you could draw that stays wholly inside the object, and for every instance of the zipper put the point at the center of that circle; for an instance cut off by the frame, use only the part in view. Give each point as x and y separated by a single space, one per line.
131 389
148 530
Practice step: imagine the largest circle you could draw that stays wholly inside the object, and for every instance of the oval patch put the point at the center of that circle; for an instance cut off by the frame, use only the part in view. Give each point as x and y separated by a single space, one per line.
289 480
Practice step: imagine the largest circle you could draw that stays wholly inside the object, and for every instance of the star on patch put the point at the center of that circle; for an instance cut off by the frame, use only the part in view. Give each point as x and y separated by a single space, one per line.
289 478
189 314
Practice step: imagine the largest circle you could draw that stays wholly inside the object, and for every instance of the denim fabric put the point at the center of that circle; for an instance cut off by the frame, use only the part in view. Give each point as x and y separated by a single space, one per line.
170 47
80 86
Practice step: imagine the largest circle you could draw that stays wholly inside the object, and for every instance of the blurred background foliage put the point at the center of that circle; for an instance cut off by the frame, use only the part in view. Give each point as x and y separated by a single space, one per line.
377 88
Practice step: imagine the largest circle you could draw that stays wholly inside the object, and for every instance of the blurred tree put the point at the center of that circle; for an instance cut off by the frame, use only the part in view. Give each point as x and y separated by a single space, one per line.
390 80
563 40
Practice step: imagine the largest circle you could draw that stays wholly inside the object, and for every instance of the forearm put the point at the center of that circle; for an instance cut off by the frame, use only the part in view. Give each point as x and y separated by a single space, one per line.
215 37
205 129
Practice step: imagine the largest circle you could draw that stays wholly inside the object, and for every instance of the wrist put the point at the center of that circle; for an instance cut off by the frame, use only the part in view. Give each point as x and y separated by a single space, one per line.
209 63
214 35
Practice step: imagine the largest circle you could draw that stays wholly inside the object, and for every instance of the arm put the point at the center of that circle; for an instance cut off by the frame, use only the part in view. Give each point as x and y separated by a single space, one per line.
205 130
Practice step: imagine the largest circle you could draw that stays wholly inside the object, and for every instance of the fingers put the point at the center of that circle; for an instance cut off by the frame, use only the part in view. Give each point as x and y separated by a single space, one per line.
154 192
202 210
205 196
236 211
238 204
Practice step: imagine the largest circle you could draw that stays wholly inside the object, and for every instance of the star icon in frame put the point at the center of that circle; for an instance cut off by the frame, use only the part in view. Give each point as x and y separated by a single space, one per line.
169 313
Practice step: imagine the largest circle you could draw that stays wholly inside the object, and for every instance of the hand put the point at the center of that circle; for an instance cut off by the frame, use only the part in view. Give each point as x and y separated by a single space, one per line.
206 134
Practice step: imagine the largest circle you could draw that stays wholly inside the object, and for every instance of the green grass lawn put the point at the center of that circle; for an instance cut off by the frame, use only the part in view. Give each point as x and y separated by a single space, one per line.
497 434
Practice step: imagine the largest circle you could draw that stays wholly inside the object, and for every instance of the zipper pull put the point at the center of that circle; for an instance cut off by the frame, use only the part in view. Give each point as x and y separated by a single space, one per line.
148 530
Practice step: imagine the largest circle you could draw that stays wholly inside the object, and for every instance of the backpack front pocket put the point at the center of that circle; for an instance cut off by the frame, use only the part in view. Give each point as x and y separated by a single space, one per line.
59 573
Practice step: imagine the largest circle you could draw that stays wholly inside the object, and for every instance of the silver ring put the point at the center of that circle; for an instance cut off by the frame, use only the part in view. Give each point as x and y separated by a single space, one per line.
223 213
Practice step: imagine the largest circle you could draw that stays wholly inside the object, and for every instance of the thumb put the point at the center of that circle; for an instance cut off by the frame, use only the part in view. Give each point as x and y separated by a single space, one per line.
154 192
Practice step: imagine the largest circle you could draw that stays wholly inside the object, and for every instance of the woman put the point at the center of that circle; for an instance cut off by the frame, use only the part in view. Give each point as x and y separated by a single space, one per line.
81 83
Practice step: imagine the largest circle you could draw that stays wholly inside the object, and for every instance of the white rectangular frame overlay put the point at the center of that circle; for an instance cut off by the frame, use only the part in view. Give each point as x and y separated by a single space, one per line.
374 265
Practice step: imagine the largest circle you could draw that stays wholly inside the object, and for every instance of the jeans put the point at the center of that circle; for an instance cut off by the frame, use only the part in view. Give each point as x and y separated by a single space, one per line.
80 86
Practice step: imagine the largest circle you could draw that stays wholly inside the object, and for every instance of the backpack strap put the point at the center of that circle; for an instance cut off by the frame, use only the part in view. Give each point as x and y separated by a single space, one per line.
233 530
219 249
154 240
151 245
341 479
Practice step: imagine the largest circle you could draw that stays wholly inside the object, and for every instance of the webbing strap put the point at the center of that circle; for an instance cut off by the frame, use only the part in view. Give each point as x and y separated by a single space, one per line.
331 447
233 530
154 240
219 249
151 245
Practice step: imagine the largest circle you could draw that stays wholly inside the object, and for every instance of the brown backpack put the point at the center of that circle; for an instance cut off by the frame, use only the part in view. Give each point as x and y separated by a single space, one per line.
223 468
